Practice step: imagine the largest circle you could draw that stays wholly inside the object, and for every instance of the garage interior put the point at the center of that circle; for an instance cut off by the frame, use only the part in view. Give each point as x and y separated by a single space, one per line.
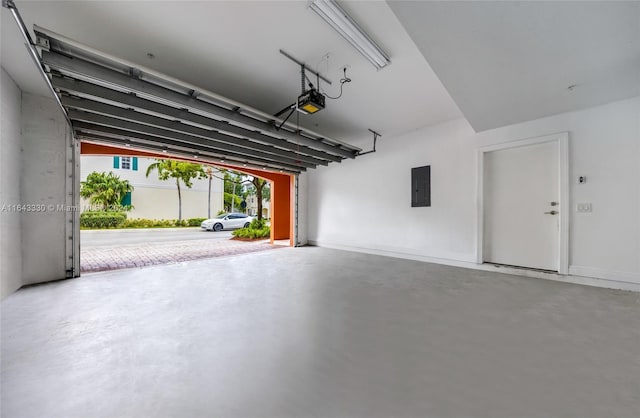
417 282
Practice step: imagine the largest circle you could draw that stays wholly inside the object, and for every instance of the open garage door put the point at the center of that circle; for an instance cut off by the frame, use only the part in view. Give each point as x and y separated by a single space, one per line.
113 102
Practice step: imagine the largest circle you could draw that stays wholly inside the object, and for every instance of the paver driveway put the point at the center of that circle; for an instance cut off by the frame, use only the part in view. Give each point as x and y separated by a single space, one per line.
118 249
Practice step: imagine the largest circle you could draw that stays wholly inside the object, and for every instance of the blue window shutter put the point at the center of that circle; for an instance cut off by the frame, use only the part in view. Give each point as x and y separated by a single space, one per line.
134 164
116 162
126 199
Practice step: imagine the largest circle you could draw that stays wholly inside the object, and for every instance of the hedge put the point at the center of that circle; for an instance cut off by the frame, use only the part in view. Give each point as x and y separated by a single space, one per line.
102 219
149 223
195 221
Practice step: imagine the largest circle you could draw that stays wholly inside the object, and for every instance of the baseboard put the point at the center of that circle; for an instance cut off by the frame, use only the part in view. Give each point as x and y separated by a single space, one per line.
570 278
577 275
605 274
396 253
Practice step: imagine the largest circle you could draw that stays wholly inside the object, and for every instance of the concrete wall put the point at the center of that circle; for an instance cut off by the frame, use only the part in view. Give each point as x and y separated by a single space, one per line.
162 203
156 199
364 204
45 139
10 163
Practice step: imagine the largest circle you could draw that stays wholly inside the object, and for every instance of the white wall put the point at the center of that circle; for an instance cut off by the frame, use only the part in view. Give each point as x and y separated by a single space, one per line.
45 138
364 204
162 203
10 163
604 145
303 208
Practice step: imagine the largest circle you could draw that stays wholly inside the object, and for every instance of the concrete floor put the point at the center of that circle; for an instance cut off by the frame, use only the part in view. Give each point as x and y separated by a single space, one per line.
312 332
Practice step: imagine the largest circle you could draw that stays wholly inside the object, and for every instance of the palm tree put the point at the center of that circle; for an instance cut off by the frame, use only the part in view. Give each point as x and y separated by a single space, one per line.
178 170
105 190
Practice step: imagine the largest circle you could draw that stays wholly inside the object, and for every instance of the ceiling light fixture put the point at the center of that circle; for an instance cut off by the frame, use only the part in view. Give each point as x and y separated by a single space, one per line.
334 15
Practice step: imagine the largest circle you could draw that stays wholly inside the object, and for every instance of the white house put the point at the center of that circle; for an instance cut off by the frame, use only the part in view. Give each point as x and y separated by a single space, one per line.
153 198
252 206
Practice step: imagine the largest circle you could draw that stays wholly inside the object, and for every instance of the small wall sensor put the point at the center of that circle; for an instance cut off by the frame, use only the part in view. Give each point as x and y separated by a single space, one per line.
582 179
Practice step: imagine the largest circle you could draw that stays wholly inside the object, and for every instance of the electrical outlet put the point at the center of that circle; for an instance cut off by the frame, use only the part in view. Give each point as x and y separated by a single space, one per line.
584 207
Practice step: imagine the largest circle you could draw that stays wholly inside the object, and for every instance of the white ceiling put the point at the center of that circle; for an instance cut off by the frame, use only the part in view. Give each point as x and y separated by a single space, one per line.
502 62
508 62
16 60
231 48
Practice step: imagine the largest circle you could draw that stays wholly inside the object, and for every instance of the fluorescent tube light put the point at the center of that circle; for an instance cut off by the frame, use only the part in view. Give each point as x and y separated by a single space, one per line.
334 15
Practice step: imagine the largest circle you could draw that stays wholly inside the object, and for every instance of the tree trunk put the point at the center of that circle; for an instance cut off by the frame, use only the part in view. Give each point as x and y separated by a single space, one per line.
209 201
179 200
259 197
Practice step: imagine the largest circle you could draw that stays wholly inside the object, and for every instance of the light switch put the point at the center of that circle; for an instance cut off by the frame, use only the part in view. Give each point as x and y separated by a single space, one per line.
584 207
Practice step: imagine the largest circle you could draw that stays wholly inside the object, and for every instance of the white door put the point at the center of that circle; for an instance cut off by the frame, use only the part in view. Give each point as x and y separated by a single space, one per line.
521 191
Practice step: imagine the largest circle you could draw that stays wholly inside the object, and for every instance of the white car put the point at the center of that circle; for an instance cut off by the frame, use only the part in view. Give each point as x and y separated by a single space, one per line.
227 221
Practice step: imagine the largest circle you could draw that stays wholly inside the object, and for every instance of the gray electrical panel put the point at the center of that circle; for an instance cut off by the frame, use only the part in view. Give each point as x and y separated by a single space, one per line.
421 186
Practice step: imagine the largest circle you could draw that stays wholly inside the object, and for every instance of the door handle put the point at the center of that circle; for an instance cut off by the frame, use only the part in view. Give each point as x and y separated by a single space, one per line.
553 212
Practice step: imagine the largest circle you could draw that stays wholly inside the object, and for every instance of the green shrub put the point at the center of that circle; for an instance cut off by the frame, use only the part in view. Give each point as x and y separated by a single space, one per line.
250 233
195 221
102 220
258 223
257 229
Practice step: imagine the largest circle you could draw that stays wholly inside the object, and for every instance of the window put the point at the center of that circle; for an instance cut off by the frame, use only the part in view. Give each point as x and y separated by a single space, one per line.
126 163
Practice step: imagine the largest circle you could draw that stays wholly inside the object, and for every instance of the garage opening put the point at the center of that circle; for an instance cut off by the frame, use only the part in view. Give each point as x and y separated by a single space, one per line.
168 210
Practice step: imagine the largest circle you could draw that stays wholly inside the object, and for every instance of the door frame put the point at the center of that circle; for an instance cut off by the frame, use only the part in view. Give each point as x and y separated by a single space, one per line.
562 139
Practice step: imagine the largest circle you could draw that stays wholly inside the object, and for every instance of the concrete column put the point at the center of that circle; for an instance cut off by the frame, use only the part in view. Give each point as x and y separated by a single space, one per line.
45 138
10 163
